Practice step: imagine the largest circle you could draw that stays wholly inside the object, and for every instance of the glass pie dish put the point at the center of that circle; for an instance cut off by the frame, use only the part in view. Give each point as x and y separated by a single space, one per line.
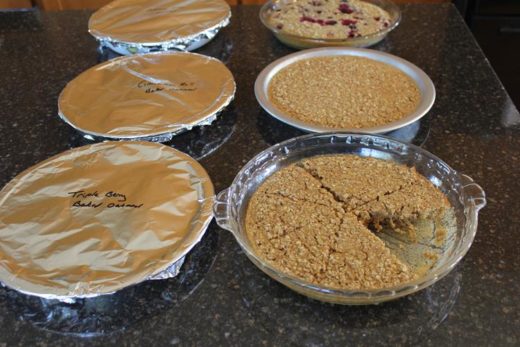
301 42
465 196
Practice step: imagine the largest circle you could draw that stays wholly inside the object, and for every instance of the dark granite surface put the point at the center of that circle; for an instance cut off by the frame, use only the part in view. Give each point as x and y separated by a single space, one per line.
220 298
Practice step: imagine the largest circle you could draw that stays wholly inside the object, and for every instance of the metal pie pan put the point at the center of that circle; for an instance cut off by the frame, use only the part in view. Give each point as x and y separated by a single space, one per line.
103 102
99 218
424 83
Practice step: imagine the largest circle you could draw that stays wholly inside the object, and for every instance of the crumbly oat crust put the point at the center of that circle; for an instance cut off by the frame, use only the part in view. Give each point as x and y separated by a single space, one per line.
380 193
330 19
344 92
310 219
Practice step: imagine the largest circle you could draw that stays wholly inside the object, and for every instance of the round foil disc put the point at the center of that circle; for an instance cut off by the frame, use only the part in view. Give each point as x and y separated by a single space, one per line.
146 96
99 218
158 22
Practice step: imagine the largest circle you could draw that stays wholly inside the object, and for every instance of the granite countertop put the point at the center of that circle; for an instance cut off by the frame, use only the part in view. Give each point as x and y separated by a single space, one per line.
220 298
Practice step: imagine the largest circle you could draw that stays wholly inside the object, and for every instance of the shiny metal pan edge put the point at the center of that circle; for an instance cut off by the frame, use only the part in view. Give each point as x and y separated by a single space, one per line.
424 83
160 137
188 43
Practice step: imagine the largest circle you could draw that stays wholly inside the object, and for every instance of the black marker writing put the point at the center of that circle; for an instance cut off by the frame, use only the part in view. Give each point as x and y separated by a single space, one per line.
79 203
82 194
113 205
150 87
120 197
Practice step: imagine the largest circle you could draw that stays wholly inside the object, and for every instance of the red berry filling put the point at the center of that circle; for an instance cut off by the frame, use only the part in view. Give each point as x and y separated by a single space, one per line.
307 19
345 8
348 22
318 21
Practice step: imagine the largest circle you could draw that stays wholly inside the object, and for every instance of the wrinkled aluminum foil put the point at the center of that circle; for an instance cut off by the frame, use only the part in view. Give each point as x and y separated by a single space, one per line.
144 26
99 218
148 97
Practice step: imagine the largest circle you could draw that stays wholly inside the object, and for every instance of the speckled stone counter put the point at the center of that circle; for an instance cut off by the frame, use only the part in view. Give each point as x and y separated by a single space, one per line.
220 298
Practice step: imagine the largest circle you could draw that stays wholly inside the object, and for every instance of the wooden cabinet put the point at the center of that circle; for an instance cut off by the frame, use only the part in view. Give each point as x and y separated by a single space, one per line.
57 5
14 4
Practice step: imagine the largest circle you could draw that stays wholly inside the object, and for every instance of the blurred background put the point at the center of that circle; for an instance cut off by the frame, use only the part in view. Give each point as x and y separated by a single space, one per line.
495 24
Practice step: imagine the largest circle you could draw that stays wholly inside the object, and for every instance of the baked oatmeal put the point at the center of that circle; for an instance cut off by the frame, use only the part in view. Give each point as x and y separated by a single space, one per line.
318 219
397 196
329 19
344 92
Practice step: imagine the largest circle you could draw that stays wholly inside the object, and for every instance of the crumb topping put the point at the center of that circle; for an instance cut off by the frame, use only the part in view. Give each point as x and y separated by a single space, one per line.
330 19
344 92
312 219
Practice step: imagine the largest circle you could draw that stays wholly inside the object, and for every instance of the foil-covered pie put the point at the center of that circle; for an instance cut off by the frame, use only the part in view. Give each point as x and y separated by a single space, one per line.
99 218
144 26
148 97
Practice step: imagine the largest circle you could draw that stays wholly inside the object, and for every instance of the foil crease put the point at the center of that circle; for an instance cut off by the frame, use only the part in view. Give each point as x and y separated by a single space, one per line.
188 43
99 218
150 97
143 26
171 272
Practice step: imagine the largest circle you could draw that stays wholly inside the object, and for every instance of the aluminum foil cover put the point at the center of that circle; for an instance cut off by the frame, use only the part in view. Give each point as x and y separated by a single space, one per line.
96 219
138 97
158 22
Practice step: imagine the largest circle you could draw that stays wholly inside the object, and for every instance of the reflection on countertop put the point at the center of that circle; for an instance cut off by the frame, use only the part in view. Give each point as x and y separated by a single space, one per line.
389 322
107 314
